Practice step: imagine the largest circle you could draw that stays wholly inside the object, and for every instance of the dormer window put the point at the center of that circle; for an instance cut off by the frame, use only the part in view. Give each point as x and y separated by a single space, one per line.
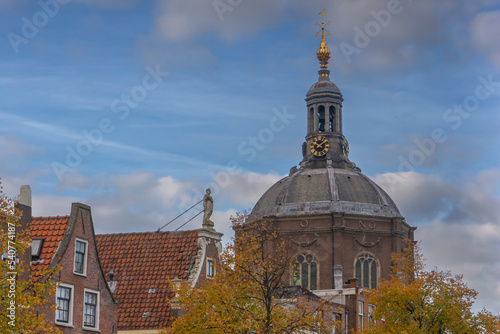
80 257
36 248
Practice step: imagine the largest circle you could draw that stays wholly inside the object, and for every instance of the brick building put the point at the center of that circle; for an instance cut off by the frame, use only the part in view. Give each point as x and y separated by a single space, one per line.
143 265
85 302
341 224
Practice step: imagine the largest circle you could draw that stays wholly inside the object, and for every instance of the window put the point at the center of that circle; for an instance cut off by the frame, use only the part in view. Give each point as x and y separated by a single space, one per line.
80 257
366 271
360 314
91 309
332 118
64 300
321 119
210 268
305 272
371 309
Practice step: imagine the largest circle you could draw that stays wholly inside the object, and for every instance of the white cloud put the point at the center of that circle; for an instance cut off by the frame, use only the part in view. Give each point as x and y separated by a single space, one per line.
142 201
420 198
245 189
114 4
458 224
52 205
484 33
424 198
12 149
223 224
471 250
180 20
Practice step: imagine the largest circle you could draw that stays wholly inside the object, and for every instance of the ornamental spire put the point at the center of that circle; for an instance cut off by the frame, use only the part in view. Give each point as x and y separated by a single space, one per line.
323 51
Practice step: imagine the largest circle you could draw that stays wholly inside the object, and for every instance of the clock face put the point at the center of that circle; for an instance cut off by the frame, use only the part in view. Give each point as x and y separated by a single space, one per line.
345 148
319 146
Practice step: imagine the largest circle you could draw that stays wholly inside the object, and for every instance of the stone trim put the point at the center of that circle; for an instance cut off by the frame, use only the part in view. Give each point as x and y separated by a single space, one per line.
198 262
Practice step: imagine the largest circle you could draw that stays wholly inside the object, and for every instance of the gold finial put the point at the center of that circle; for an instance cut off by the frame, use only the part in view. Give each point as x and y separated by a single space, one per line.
323 51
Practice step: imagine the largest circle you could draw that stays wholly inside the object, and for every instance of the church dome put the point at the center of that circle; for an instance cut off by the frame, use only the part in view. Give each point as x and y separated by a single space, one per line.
322 87
320 191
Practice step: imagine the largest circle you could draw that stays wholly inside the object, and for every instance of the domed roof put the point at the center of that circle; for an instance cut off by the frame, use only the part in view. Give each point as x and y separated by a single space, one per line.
323 86
326 190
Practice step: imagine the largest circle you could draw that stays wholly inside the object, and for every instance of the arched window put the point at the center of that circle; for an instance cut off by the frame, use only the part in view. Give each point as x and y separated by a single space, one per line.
332 118
305 272
311 120
366 271
321 118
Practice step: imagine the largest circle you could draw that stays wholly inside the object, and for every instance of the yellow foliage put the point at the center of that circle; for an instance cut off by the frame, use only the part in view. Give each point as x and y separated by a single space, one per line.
245 295
418 301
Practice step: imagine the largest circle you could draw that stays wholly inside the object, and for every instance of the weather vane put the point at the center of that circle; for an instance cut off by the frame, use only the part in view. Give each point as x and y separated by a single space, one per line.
323 51
323 25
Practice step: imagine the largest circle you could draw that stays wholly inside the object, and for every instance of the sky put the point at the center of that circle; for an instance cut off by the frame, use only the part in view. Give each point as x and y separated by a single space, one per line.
136 107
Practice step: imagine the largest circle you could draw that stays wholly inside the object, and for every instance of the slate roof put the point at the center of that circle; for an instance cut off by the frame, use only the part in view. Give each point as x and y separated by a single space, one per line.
319 191
52 230
142 264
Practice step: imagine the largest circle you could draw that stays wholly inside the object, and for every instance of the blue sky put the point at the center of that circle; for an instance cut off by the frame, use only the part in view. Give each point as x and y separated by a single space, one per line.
171 94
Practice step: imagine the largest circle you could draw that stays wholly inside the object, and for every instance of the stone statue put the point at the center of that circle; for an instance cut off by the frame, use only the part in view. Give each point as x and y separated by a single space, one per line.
208 206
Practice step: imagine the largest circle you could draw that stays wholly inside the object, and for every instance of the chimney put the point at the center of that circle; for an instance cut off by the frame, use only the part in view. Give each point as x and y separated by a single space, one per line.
23 204
111 282
353 283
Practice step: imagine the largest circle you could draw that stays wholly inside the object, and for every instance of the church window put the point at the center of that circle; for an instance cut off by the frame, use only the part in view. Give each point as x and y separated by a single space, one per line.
305 272
366 271
332 118
321 119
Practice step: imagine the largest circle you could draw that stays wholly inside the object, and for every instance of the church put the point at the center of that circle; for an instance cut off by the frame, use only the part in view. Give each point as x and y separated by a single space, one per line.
341 224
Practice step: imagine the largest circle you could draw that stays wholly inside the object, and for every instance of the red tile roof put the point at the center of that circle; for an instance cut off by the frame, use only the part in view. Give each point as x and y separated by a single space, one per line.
52 230
144 261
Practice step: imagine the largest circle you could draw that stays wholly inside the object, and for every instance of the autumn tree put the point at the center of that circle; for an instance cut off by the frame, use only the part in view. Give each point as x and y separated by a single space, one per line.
416 301
22 294
247 294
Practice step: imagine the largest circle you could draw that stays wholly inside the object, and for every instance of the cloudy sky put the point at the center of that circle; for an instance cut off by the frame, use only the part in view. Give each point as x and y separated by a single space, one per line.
135 107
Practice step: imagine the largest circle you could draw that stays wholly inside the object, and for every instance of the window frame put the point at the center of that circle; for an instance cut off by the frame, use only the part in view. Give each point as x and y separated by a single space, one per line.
297 267
210 268
361 306
85 255
97 309
370 274
69 323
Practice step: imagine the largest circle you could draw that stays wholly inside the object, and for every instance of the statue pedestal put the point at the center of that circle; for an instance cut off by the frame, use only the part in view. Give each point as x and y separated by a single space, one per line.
208 225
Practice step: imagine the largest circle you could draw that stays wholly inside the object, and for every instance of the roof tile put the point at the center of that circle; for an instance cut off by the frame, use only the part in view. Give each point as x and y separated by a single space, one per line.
144 261
52 230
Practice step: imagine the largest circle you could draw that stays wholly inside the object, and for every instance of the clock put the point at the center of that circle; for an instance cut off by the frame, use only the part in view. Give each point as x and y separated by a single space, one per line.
319 146
345 148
